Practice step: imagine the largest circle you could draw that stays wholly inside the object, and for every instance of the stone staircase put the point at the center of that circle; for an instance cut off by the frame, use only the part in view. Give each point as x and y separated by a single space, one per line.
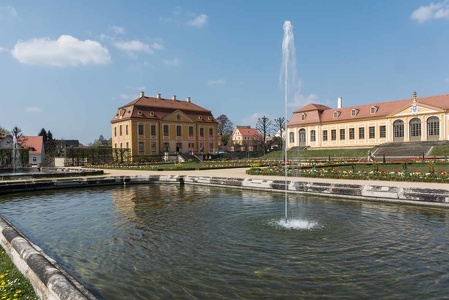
407 149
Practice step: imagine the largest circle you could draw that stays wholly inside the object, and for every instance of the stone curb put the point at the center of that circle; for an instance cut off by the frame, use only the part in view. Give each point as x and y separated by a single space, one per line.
51 281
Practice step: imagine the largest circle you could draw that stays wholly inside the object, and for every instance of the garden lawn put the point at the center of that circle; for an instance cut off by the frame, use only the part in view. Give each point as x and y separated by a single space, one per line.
13 285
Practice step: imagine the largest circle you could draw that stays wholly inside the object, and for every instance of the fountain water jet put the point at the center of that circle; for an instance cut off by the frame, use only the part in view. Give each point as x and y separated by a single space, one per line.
289 83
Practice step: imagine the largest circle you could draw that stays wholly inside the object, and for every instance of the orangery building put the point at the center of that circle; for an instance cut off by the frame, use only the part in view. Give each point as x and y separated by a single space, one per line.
153 126
408 120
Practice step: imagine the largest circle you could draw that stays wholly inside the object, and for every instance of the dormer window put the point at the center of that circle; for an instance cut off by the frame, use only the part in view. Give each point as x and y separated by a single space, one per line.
374 109
354 112
303 116
337 114
209 118
139 112
200 117
151 113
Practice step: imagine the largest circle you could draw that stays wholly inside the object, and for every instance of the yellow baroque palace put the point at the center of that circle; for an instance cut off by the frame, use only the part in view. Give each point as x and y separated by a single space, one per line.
409 120
152 126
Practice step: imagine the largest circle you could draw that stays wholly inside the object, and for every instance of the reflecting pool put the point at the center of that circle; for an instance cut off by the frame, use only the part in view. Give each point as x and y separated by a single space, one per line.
187 242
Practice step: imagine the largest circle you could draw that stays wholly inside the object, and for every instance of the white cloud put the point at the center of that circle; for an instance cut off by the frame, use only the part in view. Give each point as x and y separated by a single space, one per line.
216 82
7 12
199 21
252 120
65 51
172 62
135 46
33 109
436 11
118 30
2 49
128 96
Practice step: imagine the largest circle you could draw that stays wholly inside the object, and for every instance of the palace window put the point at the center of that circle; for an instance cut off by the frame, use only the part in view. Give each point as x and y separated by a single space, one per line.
153 147
178 130
303 116
324 135
153 129
126 130
166 130
374 109
139 112
433 126
342 135
354 112
336 114
151 113
141 148
120 130
201 132
351 133
211 132
383 131
292 137
372 132
191 131
333 134
361 133
312 135
140 129
115 132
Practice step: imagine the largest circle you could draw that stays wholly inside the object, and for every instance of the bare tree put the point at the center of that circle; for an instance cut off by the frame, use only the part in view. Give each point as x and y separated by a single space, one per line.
279 126
225 128
16 132
264 126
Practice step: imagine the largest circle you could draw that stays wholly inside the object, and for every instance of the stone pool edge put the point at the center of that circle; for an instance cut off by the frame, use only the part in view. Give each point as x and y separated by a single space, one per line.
51 281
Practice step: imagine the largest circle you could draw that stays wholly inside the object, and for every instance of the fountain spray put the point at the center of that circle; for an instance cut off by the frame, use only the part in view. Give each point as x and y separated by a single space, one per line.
288 83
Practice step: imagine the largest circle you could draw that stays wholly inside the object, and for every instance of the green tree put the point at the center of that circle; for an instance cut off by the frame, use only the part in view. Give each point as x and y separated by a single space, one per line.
3 131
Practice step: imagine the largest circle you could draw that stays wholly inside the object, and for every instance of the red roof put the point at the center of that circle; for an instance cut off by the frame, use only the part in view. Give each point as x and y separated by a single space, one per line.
32 142
157 108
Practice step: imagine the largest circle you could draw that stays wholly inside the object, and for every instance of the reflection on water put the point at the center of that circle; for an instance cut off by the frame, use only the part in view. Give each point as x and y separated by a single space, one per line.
167 241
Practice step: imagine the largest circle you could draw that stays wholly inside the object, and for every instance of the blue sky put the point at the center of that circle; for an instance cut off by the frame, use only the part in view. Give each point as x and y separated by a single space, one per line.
66 66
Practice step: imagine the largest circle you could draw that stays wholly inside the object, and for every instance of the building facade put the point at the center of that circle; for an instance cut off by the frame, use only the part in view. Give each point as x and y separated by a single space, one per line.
413 119
245 138
153 126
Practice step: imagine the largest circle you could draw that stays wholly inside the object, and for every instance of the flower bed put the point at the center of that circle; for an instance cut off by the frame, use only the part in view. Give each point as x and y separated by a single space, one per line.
373 171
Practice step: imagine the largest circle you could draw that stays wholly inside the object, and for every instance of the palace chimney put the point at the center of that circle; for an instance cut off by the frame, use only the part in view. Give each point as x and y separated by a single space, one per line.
340 102
188 99
158 96
142 94
174 97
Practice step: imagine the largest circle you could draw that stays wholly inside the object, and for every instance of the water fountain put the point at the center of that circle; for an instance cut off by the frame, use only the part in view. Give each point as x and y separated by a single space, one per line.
289 83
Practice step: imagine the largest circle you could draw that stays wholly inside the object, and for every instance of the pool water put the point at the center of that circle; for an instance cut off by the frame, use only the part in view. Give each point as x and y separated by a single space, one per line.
197 242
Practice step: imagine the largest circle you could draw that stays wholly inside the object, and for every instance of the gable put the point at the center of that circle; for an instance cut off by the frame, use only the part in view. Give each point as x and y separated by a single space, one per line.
416 109
177 116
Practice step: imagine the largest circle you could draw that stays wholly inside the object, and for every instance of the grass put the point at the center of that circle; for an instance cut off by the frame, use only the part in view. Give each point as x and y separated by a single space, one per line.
13 285
440 151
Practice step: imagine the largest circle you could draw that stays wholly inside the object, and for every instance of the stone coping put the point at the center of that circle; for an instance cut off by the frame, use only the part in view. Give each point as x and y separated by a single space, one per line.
51 281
